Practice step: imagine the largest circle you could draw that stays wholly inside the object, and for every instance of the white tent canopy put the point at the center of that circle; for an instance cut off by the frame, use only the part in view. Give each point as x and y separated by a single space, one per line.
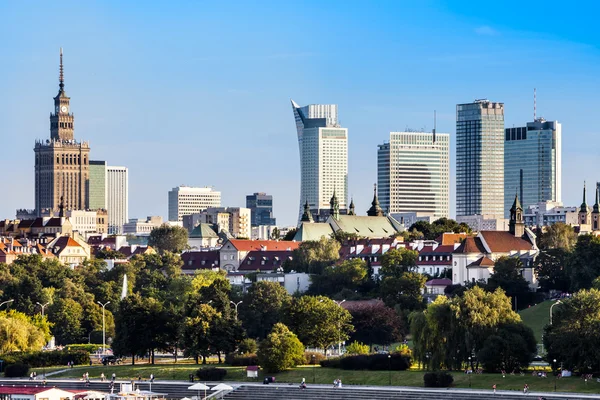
222 386
198 386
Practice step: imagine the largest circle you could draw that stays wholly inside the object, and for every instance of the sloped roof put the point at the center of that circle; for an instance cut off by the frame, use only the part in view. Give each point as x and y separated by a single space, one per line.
313 231
28 390
193 260
269 245
26 223
505 242
370 227
62 242
482 262
139 250
471 245
203 231
450 238
439 282
264 260
55 222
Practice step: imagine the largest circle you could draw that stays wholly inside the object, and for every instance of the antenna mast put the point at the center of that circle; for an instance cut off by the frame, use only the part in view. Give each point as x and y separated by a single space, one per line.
434 125
534 104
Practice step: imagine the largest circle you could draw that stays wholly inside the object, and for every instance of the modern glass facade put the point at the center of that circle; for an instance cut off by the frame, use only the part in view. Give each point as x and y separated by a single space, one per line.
413 173
97 187
480 158
532 163
117 198
323 146
261 209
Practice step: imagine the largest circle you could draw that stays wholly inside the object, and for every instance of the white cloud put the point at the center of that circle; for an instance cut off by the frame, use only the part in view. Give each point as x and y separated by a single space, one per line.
486 30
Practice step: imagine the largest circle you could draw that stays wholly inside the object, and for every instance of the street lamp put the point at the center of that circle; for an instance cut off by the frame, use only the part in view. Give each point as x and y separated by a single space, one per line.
314 366
6 302
555 375
43 306
390 368
103 327
339 303
557 302
470 372
236 307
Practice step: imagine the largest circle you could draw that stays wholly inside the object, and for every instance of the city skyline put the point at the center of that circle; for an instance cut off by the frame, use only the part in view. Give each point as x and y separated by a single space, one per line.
121 108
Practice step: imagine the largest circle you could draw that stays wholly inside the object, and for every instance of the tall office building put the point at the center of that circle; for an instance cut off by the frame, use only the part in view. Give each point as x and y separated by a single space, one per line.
413 174
261 208
480 159
185 200
97 185
117 198
323 146
532 163
61 162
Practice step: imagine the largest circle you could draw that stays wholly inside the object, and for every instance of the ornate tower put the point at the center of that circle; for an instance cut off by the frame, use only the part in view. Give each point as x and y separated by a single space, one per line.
516 226
375 210
584 211
352 210
307 215
61 163
334 210
596 212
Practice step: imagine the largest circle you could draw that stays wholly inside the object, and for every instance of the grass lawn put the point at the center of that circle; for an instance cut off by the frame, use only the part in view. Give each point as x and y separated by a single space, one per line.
537 317
327 375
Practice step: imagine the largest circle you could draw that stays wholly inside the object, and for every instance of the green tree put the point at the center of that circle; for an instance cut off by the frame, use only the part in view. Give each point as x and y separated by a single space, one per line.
109 254
404 291
289 236
512 347
585 266
357 348
168 238
281 350
431 231
196 332
558 236
275 234
262 308
19 332
247 346
66 314
507 275
349 275
552 269
318 321
396 262
574 336
313 256
375 323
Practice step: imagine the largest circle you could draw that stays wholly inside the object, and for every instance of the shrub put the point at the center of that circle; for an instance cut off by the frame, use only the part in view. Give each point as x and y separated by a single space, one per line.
247 346
308 357
438 379
281 350
211 374
16 370
357 348
241 361
90 348
38 359
373 362
404 350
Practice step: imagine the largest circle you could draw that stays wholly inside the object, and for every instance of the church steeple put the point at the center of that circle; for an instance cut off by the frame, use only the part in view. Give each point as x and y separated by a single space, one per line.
334 209
516 226
584 210
62 120
307 216
375 210
596 211
351 211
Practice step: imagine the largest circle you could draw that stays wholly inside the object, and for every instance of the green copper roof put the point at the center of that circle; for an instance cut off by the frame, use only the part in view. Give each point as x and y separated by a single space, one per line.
203 231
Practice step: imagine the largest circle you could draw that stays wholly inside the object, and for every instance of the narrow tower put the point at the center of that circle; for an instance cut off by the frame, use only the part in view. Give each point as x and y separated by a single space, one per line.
584 210
516 226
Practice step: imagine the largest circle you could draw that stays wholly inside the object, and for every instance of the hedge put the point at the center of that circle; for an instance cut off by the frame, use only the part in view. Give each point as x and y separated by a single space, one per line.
16 370
308 357
372 362
211 374
47 358
438 379
90 348
236 360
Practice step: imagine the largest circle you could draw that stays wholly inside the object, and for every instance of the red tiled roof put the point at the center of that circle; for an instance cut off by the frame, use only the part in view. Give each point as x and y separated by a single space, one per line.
64 241
450 238
505 242
471 245
28 390
482 262
264 260
200 260
275 245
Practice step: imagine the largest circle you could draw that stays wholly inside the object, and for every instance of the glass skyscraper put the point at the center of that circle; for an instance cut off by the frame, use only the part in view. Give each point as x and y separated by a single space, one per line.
480 159
413 173
323 146
261 209
532 163
97 186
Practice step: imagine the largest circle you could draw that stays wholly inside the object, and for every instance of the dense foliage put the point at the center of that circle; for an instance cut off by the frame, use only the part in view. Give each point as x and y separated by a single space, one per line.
37 359
438 379
211 374
281 350
372 362
16 370
168 238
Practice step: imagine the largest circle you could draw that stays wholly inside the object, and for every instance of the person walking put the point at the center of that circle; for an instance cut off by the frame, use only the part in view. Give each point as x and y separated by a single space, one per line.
151 378
494 387
526 389
303 384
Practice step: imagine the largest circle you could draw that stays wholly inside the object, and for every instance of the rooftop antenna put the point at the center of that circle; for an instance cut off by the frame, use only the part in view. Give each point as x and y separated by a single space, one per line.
434 125
534 104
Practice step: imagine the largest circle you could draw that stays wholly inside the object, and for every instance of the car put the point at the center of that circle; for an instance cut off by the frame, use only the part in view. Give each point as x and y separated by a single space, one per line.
112 360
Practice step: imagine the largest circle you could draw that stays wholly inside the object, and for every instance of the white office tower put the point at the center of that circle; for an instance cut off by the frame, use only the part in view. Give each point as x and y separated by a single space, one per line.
323 146
186 200
413 174
117 198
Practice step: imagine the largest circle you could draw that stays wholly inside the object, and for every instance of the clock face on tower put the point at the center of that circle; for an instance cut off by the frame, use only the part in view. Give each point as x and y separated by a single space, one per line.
63 109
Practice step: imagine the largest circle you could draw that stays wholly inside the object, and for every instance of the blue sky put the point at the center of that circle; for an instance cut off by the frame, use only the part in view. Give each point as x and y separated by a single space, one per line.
197 93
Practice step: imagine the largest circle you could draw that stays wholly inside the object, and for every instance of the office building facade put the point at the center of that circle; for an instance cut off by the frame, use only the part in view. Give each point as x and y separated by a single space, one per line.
97 185
117 198
261 208
323 146
532 163
480 159
186 200
413 174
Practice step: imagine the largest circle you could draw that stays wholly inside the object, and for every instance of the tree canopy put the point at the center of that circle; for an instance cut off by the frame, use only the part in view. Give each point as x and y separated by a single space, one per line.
281 350
168 238
262 308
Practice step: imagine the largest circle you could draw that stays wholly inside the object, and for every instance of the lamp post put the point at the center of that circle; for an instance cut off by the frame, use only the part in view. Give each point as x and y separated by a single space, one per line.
314 366
470 372
390 368
103 327
236 307
555 375
6 302
339 303
42 306
557 302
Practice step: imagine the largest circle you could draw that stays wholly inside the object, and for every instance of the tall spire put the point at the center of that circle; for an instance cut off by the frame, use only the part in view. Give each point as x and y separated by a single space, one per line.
334 210
61 76
597 203
351 212
375 210
307 216
584 203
